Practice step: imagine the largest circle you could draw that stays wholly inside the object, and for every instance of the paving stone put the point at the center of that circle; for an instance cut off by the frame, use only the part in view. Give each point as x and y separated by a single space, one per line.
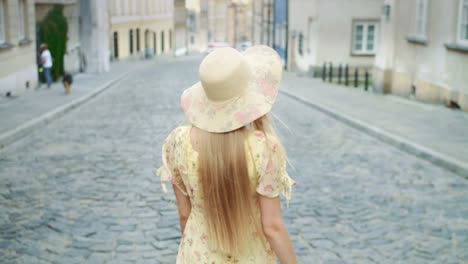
84 189
102 247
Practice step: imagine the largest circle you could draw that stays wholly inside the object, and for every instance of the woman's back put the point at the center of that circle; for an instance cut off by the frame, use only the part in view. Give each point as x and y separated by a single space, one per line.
266 165
227 185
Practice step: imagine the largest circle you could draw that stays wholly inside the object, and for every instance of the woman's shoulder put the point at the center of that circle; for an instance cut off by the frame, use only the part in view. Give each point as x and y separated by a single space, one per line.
177 134
265 144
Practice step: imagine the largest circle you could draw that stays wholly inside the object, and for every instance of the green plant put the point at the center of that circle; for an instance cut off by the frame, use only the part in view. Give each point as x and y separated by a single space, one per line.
53 31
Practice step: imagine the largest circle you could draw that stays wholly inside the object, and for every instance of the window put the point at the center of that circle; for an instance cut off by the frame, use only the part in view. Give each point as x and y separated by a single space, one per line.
154 42
365 38
309 34
301 44
116 44
463 23
191 22
421 18
131 41
21 20
2 22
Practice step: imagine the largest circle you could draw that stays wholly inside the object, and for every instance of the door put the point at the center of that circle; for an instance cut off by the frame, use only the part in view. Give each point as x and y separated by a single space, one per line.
116 45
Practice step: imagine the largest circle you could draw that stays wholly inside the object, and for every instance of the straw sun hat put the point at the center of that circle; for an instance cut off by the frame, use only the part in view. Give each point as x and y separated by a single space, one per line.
234 89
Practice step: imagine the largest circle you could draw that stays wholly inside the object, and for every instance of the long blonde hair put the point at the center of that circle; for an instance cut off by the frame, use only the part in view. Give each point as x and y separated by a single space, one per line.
228 193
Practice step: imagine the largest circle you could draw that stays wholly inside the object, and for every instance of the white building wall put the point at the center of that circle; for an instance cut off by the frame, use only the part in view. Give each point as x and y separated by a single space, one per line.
180 25
303 19
429 71
327 27
18 68
217 20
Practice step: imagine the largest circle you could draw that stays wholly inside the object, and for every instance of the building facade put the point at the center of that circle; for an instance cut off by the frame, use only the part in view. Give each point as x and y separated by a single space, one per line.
198 35
239 21
424 51
142 28
336 31
18 67
217 20
180 27
197 25
262 22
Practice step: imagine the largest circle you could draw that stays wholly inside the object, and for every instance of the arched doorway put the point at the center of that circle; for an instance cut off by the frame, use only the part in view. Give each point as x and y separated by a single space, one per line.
162 41
116 45
138 40
131 41
170 39
154 43
147 39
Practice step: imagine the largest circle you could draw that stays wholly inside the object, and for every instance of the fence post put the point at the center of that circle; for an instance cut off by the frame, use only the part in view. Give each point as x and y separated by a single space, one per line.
366 80
324 72
330 72
346 75
340 72
356 77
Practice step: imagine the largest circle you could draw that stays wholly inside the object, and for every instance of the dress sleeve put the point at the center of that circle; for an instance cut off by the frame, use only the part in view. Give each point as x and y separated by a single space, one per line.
270 161
169 172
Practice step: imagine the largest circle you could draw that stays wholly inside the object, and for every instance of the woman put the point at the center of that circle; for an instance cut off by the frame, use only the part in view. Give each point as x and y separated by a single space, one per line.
228 167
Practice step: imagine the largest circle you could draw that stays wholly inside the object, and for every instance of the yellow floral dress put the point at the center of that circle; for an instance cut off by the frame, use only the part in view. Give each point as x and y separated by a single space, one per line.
180 168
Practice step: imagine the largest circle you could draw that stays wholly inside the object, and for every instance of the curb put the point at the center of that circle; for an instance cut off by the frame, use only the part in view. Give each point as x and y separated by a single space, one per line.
447 162
11 136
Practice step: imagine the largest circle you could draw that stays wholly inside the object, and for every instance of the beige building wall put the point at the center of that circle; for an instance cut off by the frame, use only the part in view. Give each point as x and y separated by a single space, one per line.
18 69
426 69
239 22
197 32
153 19
262 22
217 20
198 41
256 22
180 25
327 28
190 25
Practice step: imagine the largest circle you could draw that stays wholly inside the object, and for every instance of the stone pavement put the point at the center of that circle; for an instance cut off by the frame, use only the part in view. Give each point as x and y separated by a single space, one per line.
82 190
433 132
35 107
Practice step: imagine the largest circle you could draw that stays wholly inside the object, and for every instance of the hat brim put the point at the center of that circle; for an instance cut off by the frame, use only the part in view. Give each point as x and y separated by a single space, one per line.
263 86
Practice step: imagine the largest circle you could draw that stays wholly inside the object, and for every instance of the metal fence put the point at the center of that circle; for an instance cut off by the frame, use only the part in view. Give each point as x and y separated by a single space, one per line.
349 76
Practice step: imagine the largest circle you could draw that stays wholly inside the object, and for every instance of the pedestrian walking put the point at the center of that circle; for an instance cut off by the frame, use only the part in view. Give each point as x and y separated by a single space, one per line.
46 63
227 165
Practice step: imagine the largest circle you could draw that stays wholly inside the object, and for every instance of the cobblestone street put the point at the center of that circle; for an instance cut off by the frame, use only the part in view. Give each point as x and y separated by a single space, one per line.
82 189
